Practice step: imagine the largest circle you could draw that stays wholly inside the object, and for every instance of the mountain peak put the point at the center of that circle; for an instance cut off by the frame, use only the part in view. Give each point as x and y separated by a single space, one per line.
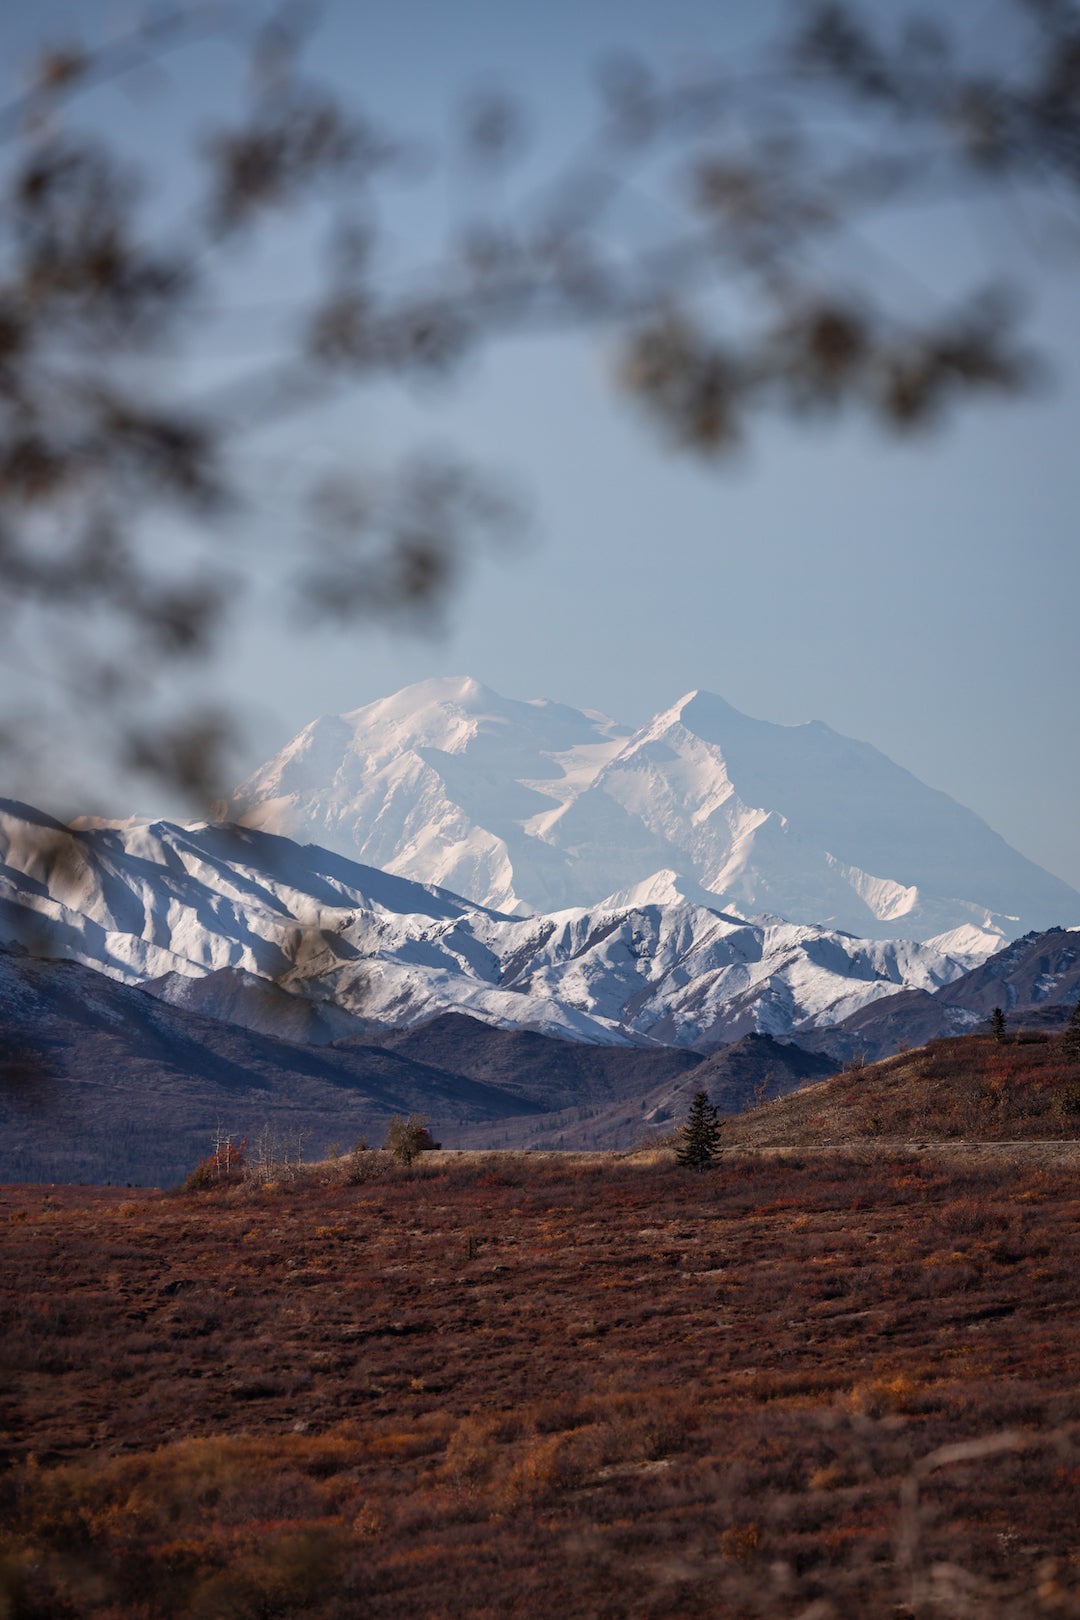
695 709
462 691
536 806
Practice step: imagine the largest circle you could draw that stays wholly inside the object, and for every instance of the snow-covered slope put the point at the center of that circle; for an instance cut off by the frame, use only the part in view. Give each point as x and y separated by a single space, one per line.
239 923
538 807
446 782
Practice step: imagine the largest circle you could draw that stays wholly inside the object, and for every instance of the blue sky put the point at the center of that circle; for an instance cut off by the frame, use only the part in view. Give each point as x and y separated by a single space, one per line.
921 595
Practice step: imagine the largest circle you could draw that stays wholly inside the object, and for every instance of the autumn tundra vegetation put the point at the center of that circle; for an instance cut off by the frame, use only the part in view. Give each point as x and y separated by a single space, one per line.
831 1380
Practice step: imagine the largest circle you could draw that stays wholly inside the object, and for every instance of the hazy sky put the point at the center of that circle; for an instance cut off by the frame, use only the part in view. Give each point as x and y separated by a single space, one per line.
921 595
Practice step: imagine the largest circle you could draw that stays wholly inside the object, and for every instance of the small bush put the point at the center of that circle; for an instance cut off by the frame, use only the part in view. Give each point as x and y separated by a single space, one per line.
361 1165
471 1454
406 1139
226 1164
968 1216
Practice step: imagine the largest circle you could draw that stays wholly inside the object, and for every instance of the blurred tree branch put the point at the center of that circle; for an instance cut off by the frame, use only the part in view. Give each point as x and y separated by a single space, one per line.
747 301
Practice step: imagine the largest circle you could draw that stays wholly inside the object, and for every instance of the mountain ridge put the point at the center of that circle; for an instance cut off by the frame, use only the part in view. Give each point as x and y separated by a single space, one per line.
103 1080
1035 980
535 806
261 922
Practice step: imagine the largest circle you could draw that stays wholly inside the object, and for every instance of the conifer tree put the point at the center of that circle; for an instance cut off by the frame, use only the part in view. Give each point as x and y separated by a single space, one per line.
700 1136
997 1024
1070 1041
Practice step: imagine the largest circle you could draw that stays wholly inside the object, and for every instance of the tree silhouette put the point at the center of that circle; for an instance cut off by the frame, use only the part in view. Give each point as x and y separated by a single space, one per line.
699 1139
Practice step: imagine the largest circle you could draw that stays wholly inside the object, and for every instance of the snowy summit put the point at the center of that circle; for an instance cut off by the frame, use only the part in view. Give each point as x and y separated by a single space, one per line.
536 806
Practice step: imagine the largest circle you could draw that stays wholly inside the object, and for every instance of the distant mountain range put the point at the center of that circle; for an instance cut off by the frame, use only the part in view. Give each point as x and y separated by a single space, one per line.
156 978
302 944
100 1080
530 807
1034 980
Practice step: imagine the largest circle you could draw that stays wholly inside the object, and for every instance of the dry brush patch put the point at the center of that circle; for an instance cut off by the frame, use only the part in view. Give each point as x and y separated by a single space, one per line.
509 1386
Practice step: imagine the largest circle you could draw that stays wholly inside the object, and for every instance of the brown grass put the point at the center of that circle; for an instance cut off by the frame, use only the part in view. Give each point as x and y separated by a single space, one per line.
514 1386
972 1088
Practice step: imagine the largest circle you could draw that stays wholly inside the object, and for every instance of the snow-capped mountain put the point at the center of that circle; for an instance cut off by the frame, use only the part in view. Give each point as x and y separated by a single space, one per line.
534 806
239 923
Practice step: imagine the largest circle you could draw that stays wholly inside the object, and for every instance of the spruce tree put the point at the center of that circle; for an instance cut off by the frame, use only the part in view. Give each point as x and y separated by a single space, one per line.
1070 1041
700 1136
997 1024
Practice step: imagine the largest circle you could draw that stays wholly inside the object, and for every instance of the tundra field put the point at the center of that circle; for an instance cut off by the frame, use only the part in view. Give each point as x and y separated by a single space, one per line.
817 1382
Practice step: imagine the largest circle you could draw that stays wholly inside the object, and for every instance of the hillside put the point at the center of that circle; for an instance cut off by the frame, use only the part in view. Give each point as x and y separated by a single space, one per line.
966 1088
736 1077
106 1082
